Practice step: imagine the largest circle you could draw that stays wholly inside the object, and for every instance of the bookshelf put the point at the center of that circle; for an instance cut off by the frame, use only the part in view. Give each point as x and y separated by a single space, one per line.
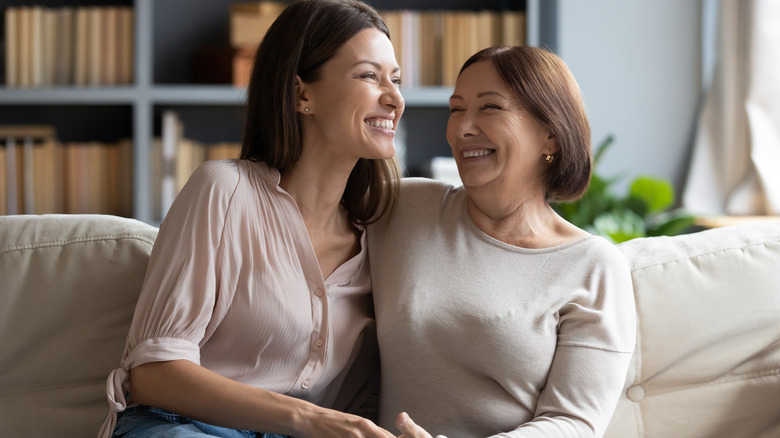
167 34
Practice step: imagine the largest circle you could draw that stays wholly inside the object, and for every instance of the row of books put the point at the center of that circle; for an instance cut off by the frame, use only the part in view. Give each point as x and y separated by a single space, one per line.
431 46
81 46
41 175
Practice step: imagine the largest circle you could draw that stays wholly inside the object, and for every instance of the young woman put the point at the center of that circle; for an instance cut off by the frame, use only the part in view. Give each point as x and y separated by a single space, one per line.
257 297
496 317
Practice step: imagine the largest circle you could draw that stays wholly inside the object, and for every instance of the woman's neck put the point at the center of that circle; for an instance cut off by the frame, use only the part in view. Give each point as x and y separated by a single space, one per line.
317 185
531 223
317 189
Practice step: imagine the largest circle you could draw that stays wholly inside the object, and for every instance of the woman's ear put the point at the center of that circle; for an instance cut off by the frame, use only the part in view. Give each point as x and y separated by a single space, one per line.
550 145
302 104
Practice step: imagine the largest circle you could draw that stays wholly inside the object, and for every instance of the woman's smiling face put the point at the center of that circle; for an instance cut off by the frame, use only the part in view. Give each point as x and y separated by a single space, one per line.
355 105
494 141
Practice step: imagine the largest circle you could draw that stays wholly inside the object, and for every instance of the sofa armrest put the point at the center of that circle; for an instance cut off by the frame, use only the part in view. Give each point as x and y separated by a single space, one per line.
68 289
707 357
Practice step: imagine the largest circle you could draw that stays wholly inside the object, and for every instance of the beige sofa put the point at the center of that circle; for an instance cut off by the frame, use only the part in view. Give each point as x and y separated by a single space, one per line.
707 362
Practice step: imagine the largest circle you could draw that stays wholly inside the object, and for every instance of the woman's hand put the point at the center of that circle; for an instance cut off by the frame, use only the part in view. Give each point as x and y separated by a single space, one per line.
335 424
409 429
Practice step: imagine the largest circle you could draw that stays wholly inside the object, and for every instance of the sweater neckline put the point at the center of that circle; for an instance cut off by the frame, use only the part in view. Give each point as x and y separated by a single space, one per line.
462 199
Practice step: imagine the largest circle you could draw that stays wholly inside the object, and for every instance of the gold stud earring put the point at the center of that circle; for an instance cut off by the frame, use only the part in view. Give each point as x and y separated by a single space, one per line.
549 159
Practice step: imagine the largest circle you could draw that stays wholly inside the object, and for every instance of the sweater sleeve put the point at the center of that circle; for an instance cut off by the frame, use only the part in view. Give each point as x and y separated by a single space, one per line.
596 335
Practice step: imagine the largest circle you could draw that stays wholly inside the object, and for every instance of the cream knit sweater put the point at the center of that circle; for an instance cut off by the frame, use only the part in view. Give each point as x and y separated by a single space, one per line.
480 338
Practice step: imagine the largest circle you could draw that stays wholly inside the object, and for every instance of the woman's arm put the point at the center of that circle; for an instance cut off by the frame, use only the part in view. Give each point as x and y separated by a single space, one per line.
188 389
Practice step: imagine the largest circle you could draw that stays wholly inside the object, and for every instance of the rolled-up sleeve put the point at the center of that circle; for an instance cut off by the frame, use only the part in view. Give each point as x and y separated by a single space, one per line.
180 298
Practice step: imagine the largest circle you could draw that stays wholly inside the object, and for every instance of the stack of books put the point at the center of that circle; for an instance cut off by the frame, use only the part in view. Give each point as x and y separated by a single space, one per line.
431 46
248 24
68 46
41 175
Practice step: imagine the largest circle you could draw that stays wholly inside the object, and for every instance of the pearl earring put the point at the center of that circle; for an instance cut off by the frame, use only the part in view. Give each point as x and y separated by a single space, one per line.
306 110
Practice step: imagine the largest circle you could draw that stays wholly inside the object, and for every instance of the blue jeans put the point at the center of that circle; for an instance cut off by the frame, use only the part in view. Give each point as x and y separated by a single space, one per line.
147 421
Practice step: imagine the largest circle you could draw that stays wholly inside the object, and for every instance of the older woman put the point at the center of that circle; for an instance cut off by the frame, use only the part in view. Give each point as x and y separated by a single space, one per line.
496 317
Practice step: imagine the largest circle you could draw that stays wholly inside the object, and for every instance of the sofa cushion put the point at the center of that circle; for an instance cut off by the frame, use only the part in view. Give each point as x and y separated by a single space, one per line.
68 286
707 358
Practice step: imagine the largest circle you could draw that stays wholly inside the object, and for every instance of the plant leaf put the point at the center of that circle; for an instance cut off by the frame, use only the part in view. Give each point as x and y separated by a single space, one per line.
601 148
657 193
670 223
619 225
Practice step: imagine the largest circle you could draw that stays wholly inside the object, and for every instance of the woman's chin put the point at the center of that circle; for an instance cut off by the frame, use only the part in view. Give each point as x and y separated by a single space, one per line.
472 181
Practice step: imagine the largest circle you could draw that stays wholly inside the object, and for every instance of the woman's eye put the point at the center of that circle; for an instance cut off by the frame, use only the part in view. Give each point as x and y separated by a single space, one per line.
397 82
369 76
455 109
491 106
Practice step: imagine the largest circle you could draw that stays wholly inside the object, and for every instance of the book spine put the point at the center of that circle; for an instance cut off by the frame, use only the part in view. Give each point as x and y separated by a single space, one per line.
171 136
10 176
11 46
95 47
81 46
3 188
37 53
28 175
64 54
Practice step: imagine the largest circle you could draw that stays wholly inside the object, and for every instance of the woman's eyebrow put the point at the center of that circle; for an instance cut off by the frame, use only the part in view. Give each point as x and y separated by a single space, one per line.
482 94
376 65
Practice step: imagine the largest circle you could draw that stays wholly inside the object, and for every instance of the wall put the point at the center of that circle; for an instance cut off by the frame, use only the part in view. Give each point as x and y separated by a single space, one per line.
638 64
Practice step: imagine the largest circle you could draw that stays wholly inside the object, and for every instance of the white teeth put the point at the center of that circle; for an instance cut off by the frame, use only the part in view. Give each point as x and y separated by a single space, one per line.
380 123
477 153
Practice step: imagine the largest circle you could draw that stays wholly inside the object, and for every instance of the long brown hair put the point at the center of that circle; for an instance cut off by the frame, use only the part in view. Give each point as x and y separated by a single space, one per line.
547 90
306 35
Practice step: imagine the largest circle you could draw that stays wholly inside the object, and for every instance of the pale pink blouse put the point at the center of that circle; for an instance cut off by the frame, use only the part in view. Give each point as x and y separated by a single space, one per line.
233 284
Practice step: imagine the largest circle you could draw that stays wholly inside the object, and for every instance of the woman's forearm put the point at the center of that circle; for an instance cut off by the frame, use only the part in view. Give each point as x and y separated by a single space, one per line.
190 390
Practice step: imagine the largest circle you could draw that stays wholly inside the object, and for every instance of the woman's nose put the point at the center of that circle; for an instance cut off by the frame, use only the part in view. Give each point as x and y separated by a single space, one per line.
464 126
392 97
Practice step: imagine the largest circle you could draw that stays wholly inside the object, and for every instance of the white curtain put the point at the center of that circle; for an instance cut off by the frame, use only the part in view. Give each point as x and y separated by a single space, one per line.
735 167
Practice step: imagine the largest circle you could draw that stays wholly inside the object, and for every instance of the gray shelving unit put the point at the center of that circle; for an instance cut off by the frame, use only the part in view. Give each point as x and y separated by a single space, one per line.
167 33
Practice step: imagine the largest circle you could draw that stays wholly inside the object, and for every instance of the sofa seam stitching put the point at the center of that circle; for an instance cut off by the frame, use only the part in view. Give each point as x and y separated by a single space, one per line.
719 381
52 243
701 254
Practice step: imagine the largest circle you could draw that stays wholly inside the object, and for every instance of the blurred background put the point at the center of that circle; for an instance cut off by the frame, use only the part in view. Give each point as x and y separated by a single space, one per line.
121 100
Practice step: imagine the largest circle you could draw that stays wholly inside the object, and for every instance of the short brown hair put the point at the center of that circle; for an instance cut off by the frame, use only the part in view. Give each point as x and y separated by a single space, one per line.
547 90
304 37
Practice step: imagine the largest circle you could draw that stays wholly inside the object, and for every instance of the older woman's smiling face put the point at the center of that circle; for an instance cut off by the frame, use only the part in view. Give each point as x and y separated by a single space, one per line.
494 141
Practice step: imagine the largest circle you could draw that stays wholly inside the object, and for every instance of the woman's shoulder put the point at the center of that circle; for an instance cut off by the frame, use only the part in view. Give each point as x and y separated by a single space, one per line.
229 174
219 173
425 190
420 183
419 200
599 254
595 245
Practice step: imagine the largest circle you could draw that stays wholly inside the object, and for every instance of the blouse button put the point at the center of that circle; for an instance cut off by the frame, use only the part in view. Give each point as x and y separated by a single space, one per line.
319 292
319 342
636 393
305 384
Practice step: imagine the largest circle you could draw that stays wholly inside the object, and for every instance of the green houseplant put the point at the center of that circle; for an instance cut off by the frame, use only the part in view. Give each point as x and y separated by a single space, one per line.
644 211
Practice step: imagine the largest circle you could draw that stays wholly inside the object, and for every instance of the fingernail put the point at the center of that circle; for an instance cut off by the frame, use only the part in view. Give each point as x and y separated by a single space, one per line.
403 417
